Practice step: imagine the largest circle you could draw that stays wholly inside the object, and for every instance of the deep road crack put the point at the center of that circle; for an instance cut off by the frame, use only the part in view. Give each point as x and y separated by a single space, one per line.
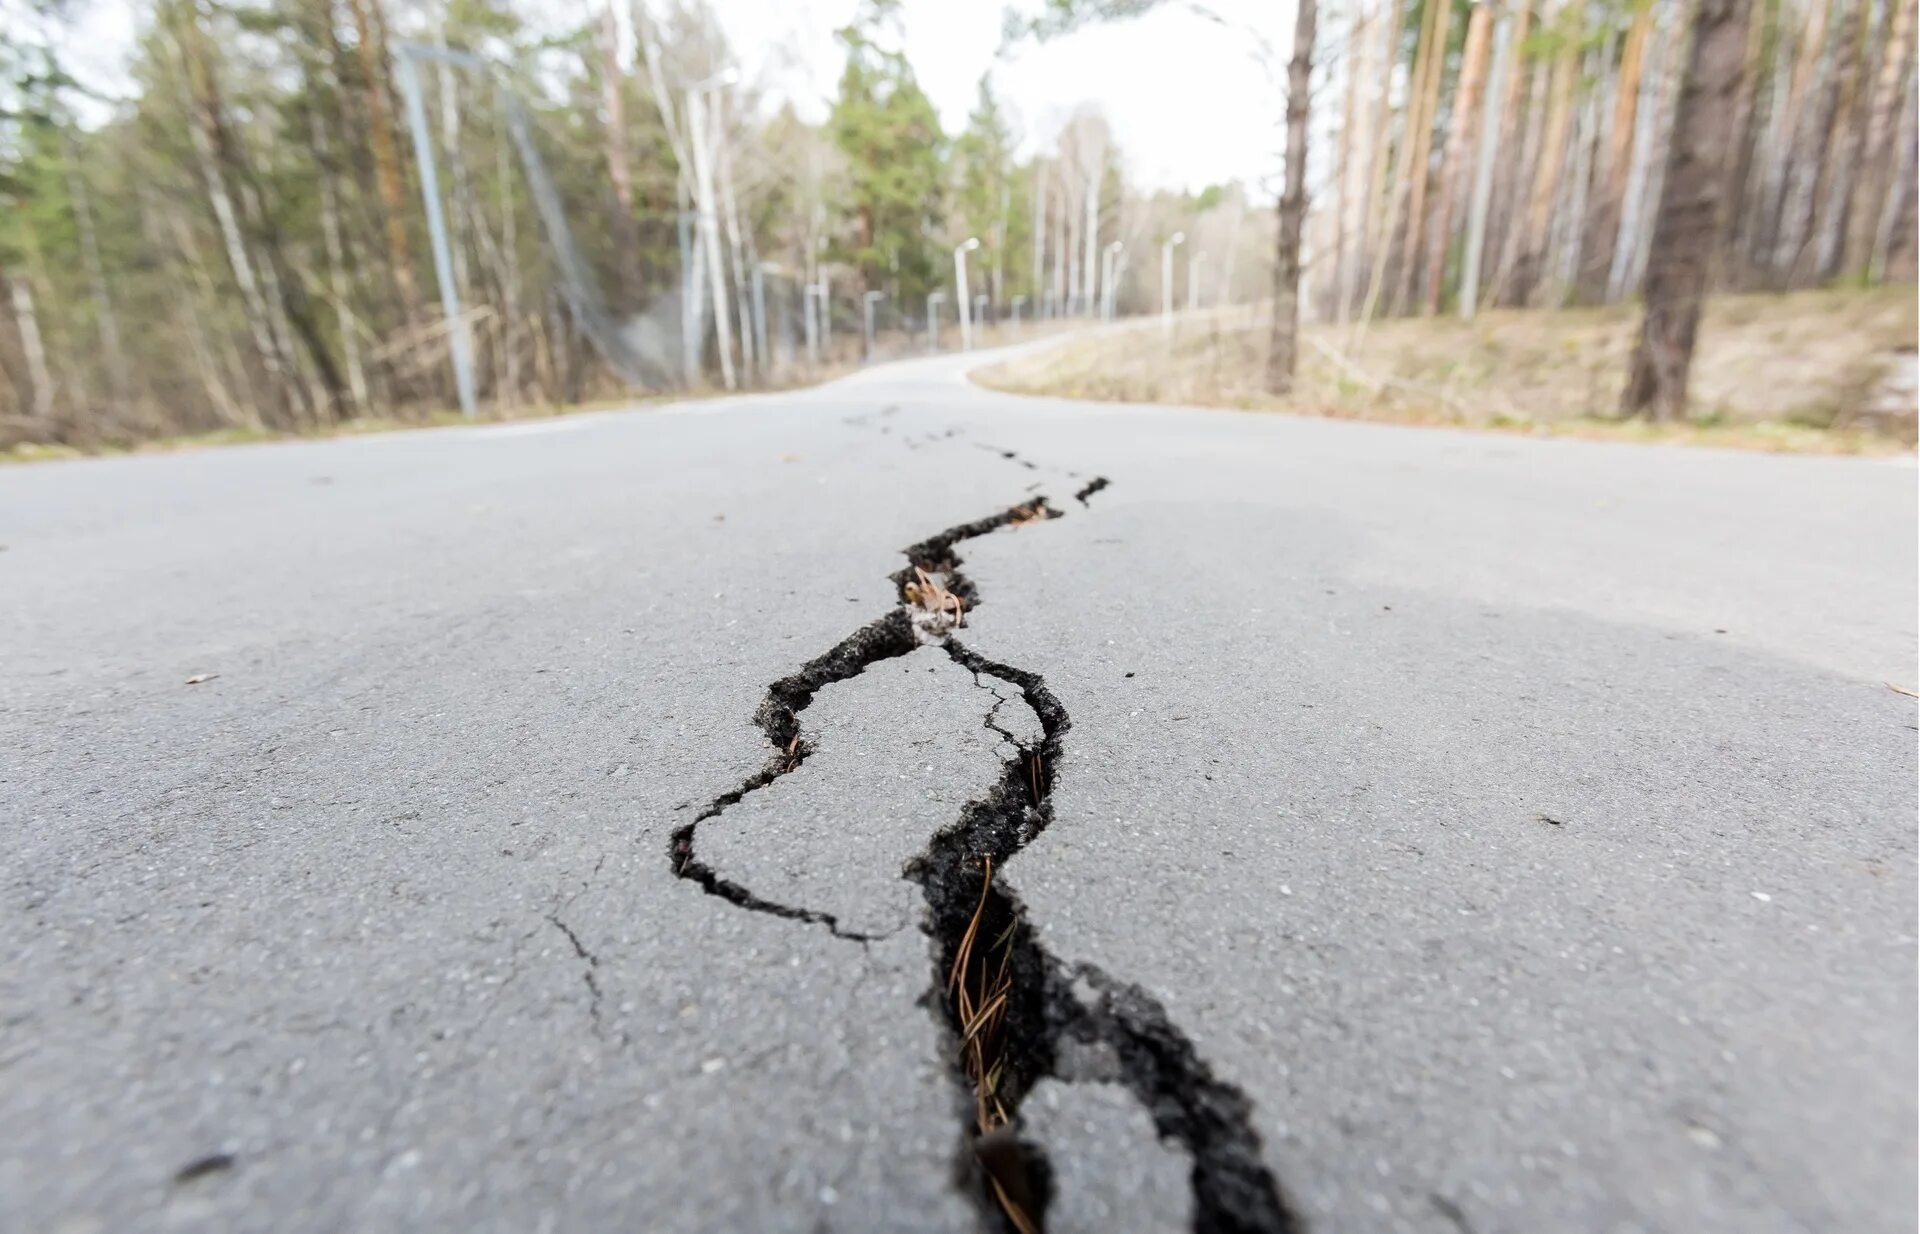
1022 1014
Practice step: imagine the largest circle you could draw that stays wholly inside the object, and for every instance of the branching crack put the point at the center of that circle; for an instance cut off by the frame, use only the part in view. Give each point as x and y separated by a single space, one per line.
1022 1014
1093 486
590 974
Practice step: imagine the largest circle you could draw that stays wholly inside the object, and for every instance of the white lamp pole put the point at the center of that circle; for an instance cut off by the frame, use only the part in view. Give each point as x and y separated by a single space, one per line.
867 302
933 319
960 296
1110 272
1166 278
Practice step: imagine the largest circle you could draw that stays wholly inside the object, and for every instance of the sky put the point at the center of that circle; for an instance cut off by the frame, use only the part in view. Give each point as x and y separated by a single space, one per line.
1192 101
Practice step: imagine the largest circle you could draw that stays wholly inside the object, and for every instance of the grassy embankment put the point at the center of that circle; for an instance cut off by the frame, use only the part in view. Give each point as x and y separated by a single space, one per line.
1807 371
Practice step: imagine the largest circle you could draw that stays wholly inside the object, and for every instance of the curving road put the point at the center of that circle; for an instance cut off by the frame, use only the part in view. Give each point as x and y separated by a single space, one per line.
1393 829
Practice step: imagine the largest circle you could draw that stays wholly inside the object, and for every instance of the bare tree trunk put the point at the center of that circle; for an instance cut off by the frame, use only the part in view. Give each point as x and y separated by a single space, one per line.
1844 134
1893 237
1511 172
1507 283
1090 236
1802 153
1570 217
1668 70
229 357
730 214
108 323
509 272
1039 233
626 239
1486 156
339 282
1284 341
1604 235
1423 108
1688 219
1460 128
201 131
1374 227
1740 168
386 153
32 345
1876 151
1546 180
213 378
460 188
1353 65
1402 166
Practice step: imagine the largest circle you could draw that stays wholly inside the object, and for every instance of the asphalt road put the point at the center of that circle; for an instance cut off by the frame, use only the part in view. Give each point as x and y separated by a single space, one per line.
1441 832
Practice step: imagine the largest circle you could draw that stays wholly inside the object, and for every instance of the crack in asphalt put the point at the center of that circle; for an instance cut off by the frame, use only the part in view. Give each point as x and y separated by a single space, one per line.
1065 1022
590 974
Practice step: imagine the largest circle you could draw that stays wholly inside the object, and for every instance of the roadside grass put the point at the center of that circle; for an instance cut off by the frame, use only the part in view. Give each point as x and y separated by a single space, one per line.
843 360
1802 372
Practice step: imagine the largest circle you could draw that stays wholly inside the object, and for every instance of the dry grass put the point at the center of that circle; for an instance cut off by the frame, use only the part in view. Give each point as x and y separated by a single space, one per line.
1778 372
978 986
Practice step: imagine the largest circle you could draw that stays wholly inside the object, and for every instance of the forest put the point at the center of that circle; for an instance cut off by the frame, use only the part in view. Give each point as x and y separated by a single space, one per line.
236 239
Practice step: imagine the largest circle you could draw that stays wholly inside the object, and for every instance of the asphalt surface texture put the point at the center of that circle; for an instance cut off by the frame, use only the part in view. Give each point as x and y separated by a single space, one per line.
1403 829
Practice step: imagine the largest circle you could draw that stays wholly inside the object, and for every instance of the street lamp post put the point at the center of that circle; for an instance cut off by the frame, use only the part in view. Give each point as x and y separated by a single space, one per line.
826 313
866 305
760 271
810 312
1195 264
960 296
1109 271
1166 278
934 299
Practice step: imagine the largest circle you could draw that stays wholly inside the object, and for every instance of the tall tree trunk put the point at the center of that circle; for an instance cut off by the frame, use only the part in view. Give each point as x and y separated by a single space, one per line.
1604 235
213 379
1486 157
1546 179
107 322
210 300
1375 226
1876 150
1510 173
32 345
206 132
1842 148
1403 170
1353 64
339 282
1801 154
1507 277
1284 341
1688 219
1893 237
1740 169
386 153
1460 128
1570 217
613 100
1039 236
1426 106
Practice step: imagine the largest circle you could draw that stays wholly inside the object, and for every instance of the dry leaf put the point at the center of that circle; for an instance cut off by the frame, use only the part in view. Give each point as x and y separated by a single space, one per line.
1902 690
197 678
